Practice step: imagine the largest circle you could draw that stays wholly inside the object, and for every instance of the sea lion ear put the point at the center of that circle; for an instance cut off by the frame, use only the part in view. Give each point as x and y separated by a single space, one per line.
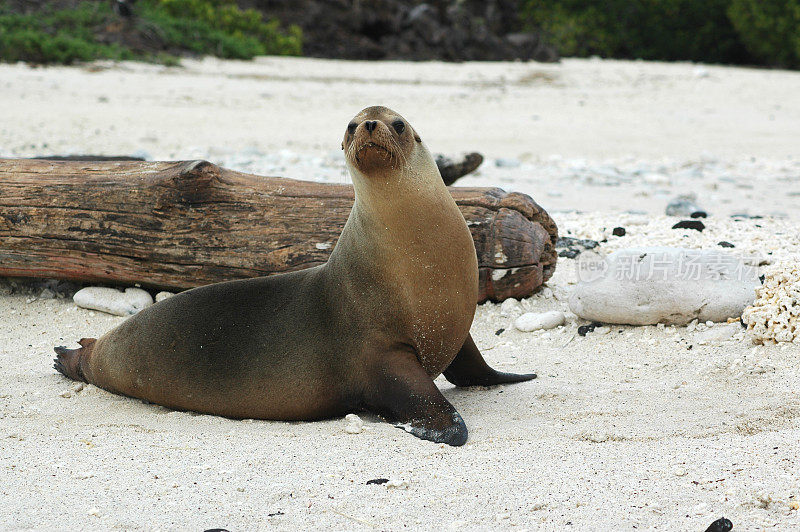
416 137
342 146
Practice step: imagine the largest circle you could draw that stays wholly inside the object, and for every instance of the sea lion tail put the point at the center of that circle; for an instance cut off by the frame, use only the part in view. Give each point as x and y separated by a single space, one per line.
69 362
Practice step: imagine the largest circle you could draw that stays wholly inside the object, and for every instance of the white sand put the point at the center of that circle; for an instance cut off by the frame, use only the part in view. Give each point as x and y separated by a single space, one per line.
630 429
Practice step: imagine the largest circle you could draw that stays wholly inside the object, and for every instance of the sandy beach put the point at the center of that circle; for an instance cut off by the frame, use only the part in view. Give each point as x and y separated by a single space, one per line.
647 428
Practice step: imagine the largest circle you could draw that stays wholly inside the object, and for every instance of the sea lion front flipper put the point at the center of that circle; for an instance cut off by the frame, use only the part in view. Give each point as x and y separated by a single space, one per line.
404 394
470 369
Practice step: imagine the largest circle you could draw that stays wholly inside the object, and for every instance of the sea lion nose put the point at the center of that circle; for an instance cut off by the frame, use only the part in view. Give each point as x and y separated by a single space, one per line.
370 125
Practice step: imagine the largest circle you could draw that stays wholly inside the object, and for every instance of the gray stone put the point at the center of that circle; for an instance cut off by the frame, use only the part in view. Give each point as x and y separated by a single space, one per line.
507 163
47 294
683 205
645 286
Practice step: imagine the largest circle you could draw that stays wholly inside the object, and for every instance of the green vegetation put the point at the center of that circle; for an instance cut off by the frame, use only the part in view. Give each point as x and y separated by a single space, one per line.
764 32
725 31
61 36
161 29
770 29
219 27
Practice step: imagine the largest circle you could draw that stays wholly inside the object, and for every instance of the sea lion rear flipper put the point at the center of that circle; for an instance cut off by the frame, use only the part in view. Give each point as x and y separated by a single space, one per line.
404 393
470 369
70 362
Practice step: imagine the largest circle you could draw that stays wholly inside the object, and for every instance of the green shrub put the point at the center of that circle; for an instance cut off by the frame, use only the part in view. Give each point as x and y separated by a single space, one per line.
770 29
220 28
643 29
215 27
60 36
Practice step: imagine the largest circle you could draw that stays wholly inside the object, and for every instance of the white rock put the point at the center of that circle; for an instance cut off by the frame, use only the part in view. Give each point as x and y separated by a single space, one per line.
353 424
645 286
161 296
113 301
719 334
397 484
532 321
510 307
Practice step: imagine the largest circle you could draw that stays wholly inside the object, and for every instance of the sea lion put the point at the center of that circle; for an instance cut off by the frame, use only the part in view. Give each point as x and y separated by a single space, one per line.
370 329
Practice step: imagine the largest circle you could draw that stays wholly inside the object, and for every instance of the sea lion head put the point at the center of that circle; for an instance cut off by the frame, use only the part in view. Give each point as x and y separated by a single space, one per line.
379 142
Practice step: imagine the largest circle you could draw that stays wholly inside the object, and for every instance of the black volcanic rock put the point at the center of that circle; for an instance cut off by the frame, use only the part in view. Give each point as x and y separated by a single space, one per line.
447 30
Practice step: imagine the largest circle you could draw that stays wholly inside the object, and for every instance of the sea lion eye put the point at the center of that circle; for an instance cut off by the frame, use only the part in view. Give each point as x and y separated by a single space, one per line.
399 126
351 127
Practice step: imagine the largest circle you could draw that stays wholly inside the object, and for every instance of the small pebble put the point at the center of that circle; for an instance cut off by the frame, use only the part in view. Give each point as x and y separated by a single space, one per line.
47 294
583 330
397 484
161 296
531 321
506 163
683 205
618 231
720 525
697 225
353 424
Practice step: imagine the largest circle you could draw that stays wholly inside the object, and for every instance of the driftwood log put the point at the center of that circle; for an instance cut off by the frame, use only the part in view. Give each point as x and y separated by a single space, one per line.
177 225
451 168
